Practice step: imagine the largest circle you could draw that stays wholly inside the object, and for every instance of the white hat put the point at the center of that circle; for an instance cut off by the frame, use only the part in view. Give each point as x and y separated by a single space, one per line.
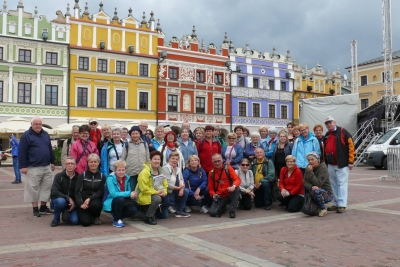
329 118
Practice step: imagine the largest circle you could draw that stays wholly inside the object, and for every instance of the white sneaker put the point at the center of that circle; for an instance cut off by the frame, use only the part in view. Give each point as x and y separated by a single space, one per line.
204 209
187 209
171 209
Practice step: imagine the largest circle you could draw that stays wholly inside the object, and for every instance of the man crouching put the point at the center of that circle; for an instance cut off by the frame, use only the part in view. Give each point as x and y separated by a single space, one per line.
223 185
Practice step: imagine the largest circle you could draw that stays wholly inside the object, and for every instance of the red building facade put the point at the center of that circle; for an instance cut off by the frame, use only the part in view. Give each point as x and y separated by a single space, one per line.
193 83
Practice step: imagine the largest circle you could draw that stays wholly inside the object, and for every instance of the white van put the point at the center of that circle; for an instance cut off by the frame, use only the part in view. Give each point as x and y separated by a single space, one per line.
376 154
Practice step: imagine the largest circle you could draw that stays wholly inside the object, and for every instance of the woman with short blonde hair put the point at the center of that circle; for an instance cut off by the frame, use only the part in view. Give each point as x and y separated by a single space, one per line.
232 153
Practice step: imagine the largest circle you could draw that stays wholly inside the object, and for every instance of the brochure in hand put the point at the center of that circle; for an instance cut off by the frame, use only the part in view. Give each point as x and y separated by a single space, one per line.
158 182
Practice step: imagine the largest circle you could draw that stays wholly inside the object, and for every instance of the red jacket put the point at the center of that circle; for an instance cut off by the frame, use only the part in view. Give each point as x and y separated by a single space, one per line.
205 150
95 137
221 181
294 183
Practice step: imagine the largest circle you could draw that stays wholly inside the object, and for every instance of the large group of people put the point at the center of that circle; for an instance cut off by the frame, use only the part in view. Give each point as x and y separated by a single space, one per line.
143 175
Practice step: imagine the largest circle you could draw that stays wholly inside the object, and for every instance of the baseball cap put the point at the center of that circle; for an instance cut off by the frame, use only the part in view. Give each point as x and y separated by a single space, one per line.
329 118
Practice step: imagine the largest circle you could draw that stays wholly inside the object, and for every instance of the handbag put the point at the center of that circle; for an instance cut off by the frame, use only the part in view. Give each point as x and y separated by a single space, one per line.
310 206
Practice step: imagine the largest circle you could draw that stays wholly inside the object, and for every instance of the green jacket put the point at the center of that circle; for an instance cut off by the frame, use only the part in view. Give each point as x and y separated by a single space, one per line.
145 187
268 170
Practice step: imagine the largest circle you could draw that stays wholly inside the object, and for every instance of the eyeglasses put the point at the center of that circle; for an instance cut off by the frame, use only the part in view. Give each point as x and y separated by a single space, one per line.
245 165
232 138
70 163
93 123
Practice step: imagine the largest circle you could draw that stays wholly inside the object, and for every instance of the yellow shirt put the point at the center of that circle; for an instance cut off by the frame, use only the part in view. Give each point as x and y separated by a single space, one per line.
258 175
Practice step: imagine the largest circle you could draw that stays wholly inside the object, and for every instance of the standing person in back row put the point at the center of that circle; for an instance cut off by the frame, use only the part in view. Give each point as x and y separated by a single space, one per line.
144 125
36 160
339 155
14 151
207 147
67 144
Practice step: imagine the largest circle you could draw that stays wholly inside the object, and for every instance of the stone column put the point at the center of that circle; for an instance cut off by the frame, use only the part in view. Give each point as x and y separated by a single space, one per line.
94 44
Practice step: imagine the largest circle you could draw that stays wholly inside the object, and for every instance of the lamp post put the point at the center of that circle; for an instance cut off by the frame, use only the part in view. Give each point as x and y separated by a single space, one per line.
162 57
238 69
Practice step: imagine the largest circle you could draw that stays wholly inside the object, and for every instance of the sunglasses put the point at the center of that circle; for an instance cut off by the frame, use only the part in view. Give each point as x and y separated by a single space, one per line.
244 164
93 123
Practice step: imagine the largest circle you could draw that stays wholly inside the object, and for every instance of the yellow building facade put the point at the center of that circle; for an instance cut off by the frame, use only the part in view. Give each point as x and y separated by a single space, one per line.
113 64
311 84
371 80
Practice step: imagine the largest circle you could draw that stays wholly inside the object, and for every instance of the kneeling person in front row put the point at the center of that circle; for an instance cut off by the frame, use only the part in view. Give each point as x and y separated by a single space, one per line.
223 185
121 200
62 194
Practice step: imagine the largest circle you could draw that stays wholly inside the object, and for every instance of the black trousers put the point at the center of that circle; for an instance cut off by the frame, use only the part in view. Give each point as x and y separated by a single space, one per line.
245 201
219 207
86 216
292 203
123 208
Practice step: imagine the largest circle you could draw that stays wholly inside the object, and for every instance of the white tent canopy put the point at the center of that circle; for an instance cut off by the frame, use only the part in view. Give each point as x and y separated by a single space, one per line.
17 125
65 129
344 108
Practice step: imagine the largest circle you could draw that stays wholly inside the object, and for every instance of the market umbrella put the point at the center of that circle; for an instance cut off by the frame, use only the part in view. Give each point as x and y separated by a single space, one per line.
66 128
18 126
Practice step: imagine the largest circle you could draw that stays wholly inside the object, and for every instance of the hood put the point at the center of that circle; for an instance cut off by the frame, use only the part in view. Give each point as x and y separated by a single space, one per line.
178 169
310 134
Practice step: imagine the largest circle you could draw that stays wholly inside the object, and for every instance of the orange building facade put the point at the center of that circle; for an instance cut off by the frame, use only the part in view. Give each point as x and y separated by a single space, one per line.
193 83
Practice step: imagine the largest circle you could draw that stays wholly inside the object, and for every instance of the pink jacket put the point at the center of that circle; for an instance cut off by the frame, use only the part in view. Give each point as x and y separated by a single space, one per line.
80 150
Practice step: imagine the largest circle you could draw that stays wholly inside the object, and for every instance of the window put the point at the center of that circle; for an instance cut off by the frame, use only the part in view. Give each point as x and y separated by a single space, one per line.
144 70
271 111
51 97
200 105
143 101
25 55
218 78
256 110
11 27
172 103
1 53
120 67
101 98
173 73
1 91
51 58
284 112
120 99
102 65
256 83
60 33
283 86
84 63
242 109
364 103
82 97
364 80
28 29
24 93
241 81
218 106
200 77
271 84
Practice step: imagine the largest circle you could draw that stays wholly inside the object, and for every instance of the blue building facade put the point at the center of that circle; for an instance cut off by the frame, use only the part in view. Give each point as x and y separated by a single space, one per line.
262 92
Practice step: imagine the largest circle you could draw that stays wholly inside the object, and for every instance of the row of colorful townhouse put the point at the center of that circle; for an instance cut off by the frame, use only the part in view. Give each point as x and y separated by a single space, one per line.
83 65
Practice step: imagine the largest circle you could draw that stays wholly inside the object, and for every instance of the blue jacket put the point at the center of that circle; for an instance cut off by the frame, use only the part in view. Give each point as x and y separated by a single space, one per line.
35 149
249 149
156 144
115 191
104 156
270 150
14 146
237 159
287 149
148 141
188 150
194 180
301 147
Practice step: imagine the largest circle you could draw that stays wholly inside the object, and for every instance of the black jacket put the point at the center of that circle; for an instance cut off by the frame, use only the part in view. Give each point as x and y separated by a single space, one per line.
63 186
89 185
344 146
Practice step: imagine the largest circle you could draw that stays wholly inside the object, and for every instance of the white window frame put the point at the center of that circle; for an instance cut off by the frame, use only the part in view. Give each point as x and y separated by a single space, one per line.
28 26
246 110
205 104
45 57
12 25
89 99
287 112
90 63
149 99
148 70
361 102
108 96
4 53
178 102
33 55
115 97
126 67
275 111
97 64
60 30
252 109
223 105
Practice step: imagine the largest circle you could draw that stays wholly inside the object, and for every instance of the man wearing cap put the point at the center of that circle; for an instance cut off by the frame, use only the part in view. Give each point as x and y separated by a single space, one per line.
207 147
339 156
143 125
135 155
95 133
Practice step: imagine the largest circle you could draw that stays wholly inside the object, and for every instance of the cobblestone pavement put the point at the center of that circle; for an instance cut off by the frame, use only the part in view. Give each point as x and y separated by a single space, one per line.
366 234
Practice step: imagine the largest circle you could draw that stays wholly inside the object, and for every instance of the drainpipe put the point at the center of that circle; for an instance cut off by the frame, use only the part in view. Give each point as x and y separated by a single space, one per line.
68 84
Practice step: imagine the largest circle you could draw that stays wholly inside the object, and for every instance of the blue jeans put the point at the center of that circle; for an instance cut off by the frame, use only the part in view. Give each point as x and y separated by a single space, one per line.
263 195
16 169
59 205
180 202
321 196
133 182
339 178
191 201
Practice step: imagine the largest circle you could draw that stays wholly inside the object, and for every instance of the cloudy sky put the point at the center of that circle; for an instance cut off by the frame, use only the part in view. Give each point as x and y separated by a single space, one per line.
313 30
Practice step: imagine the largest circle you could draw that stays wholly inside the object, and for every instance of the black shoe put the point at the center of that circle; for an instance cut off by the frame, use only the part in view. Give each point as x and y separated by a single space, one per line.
139 216
45 210
65 216
232 214
15 182
19 181
36 212
268 207
150 220
53 223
